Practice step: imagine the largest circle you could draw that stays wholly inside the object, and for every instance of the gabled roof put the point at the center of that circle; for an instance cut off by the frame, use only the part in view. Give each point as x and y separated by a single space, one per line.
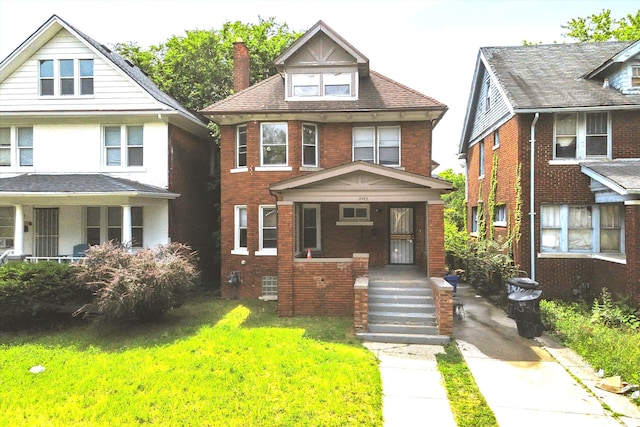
616 60
620 175
87 184
552 76
50 28
377 93
320 26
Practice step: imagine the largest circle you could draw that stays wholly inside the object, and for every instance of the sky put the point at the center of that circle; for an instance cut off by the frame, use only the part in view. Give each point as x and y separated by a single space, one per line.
428 45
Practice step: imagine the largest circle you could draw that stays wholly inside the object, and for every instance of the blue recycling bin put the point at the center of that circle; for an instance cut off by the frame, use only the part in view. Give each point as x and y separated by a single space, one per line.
453 280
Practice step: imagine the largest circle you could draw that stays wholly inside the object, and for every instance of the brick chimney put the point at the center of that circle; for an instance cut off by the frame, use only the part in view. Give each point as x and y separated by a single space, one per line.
240 66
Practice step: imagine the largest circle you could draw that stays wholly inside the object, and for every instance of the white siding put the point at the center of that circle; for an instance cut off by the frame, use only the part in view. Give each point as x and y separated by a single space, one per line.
112 89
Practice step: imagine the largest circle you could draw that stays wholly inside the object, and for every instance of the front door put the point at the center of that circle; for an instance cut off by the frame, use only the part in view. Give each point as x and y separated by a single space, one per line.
46 232
401 236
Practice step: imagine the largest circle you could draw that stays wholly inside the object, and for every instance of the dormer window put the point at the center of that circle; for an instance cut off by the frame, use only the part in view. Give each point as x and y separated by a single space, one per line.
322 86
66 77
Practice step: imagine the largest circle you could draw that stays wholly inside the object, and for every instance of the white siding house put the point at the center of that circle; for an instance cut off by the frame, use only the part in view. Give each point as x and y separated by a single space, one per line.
85 148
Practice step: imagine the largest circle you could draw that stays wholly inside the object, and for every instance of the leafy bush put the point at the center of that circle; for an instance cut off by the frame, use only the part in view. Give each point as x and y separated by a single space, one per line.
613 314
615 350
488 266
31 293
140 286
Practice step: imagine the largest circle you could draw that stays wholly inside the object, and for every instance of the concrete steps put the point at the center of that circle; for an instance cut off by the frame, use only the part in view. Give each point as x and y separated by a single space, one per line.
402 311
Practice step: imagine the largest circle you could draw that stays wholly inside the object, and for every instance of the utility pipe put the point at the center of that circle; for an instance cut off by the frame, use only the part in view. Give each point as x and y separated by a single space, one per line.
532 209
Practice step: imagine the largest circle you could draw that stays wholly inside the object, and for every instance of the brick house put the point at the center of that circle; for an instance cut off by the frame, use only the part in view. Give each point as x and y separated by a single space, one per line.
328 160
91 150
553 131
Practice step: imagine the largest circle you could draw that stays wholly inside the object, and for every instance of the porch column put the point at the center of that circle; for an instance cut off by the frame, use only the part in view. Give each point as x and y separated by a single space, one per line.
126 226
18 231
435 239
285 259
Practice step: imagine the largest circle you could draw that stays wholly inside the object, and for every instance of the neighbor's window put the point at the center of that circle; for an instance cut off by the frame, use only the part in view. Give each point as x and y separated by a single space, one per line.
474 219
273 143
240 231
358 212
481 159
7 228
496 139
500 215
116 153
584 228
5 146
379 145
582 135
241 146
487 95
635 76
25 146
309 145
268 229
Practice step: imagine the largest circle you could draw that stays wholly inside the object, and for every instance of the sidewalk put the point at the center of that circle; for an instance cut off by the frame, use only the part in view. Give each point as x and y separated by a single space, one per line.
526 382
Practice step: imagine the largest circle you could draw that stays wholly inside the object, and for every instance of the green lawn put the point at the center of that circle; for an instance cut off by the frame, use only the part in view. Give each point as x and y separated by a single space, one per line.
210 363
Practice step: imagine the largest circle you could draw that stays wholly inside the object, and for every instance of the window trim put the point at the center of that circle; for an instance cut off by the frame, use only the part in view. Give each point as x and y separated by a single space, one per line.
375 147
355 220
124 147
262 251
316 207
7 241
315 145
500 215
56 78
496 139
237 146
596 229
581 136
323 80
15 150
481 159
286 146
237 249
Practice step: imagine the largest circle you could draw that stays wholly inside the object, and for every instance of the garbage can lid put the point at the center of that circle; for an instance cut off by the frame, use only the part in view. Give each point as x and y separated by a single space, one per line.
523 282
528 295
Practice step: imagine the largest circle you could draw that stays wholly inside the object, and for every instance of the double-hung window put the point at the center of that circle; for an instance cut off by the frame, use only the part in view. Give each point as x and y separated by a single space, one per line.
241 146
635 76
474 219
318 86
379 145
500 215
496 139
582 135
16 146
309 145
481 159
123 145
7 221
268 230
5 146
66 77
97 227
240 231
273 143
25 146
582 228
310 227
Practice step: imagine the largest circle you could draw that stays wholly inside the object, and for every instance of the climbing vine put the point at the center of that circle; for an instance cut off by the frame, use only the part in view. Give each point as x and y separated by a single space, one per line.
514 233
491 200
482 221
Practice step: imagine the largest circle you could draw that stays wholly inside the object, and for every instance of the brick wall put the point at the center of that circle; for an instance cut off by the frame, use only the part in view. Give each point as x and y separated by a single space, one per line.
436 258
191 216
323 287
443 300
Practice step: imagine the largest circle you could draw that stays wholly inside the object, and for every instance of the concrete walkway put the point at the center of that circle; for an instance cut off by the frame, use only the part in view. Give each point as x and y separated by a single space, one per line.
526 382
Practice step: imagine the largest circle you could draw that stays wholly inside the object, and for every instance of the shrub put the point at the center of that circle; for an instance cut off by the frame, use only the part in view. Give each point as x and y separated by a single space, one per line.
140 286
488 266
31 293
613 314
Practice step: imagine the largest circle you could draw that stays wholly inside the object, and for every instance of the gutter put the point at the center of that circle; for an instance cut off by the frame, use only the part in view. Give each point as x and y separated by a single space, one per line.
532 209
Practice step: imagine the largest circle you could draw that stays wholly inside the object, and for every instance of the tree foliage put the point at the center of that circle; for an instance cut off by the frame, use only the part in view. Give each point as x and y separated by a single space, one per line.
197 67
602 27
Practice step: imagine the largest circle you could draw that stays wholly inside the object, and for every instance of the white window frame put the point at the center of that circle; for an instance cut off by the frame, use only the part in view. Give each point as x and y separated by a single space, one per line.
105 226
78 77
374 144
306 144
563 230
301 244
241 130
474 219
634 71
18 148
261 249
303 86
238 227
580 136
487 97
500 215
496 139
481 159
125 148
266 147
7 226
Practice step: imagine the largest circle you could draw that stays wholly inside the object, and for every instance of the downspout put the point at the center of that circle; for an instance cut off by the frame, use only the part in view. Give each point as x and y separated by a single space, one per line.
532 209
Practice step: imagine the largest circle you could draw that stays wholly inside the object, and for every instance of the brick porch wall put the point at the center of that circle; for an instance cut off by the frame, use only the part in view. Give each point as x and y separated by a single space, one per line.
322 287
435 236
443 300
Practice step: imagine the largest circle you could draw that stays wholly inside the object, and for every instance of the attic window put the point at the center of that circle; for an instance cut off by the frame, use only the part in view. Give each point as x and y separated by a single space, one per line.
635 76
318 86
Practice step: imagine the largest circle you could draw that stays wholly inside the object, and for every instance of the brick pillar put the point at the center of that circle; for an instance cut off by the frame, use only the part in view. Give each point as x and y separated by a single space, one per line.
285 259
240 66
443 300
632 251
435 239
361 292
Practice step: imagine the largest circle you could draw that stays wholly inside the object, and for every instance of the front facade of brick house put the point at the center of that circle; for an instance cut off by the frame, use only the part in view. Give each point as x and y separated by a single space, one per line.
321 164
565 121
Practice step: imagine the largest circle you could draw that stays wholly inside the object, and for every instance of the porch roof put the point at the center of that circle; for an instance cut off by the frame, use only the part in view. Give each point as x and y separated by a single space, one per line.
78 184
362 182
619 175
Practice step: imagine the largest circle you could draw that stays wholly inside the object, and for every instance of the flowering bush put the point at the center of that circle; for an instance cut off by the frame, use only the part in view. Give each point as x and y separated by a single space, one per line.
136 286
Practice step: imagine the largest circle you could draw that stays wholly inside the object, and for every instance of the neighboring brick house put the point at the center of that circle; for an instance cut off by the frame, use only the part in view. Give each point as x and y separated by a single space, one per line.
567 117
91 150
327 158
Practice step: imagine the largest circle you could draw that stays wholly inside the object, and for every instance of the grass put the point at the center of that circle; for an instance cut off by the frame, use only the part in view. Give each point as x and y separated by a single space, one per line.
210 363
616 351
469 407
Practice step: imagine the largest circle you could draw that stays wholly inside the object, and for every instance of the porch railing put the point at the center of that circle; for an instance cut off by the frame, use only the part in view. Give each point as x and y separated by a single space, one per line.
5 256
58 259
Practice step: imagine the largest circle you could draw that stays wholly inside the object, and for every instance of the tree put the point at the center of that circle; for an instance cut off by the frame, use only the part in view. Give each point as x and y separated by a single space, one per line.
602 27
197 68
455 214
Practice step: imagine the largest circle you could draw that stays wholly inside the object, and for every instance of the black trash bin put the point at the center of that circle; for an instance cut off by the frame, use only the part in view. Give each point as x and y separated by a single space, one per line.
525 304
518 284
